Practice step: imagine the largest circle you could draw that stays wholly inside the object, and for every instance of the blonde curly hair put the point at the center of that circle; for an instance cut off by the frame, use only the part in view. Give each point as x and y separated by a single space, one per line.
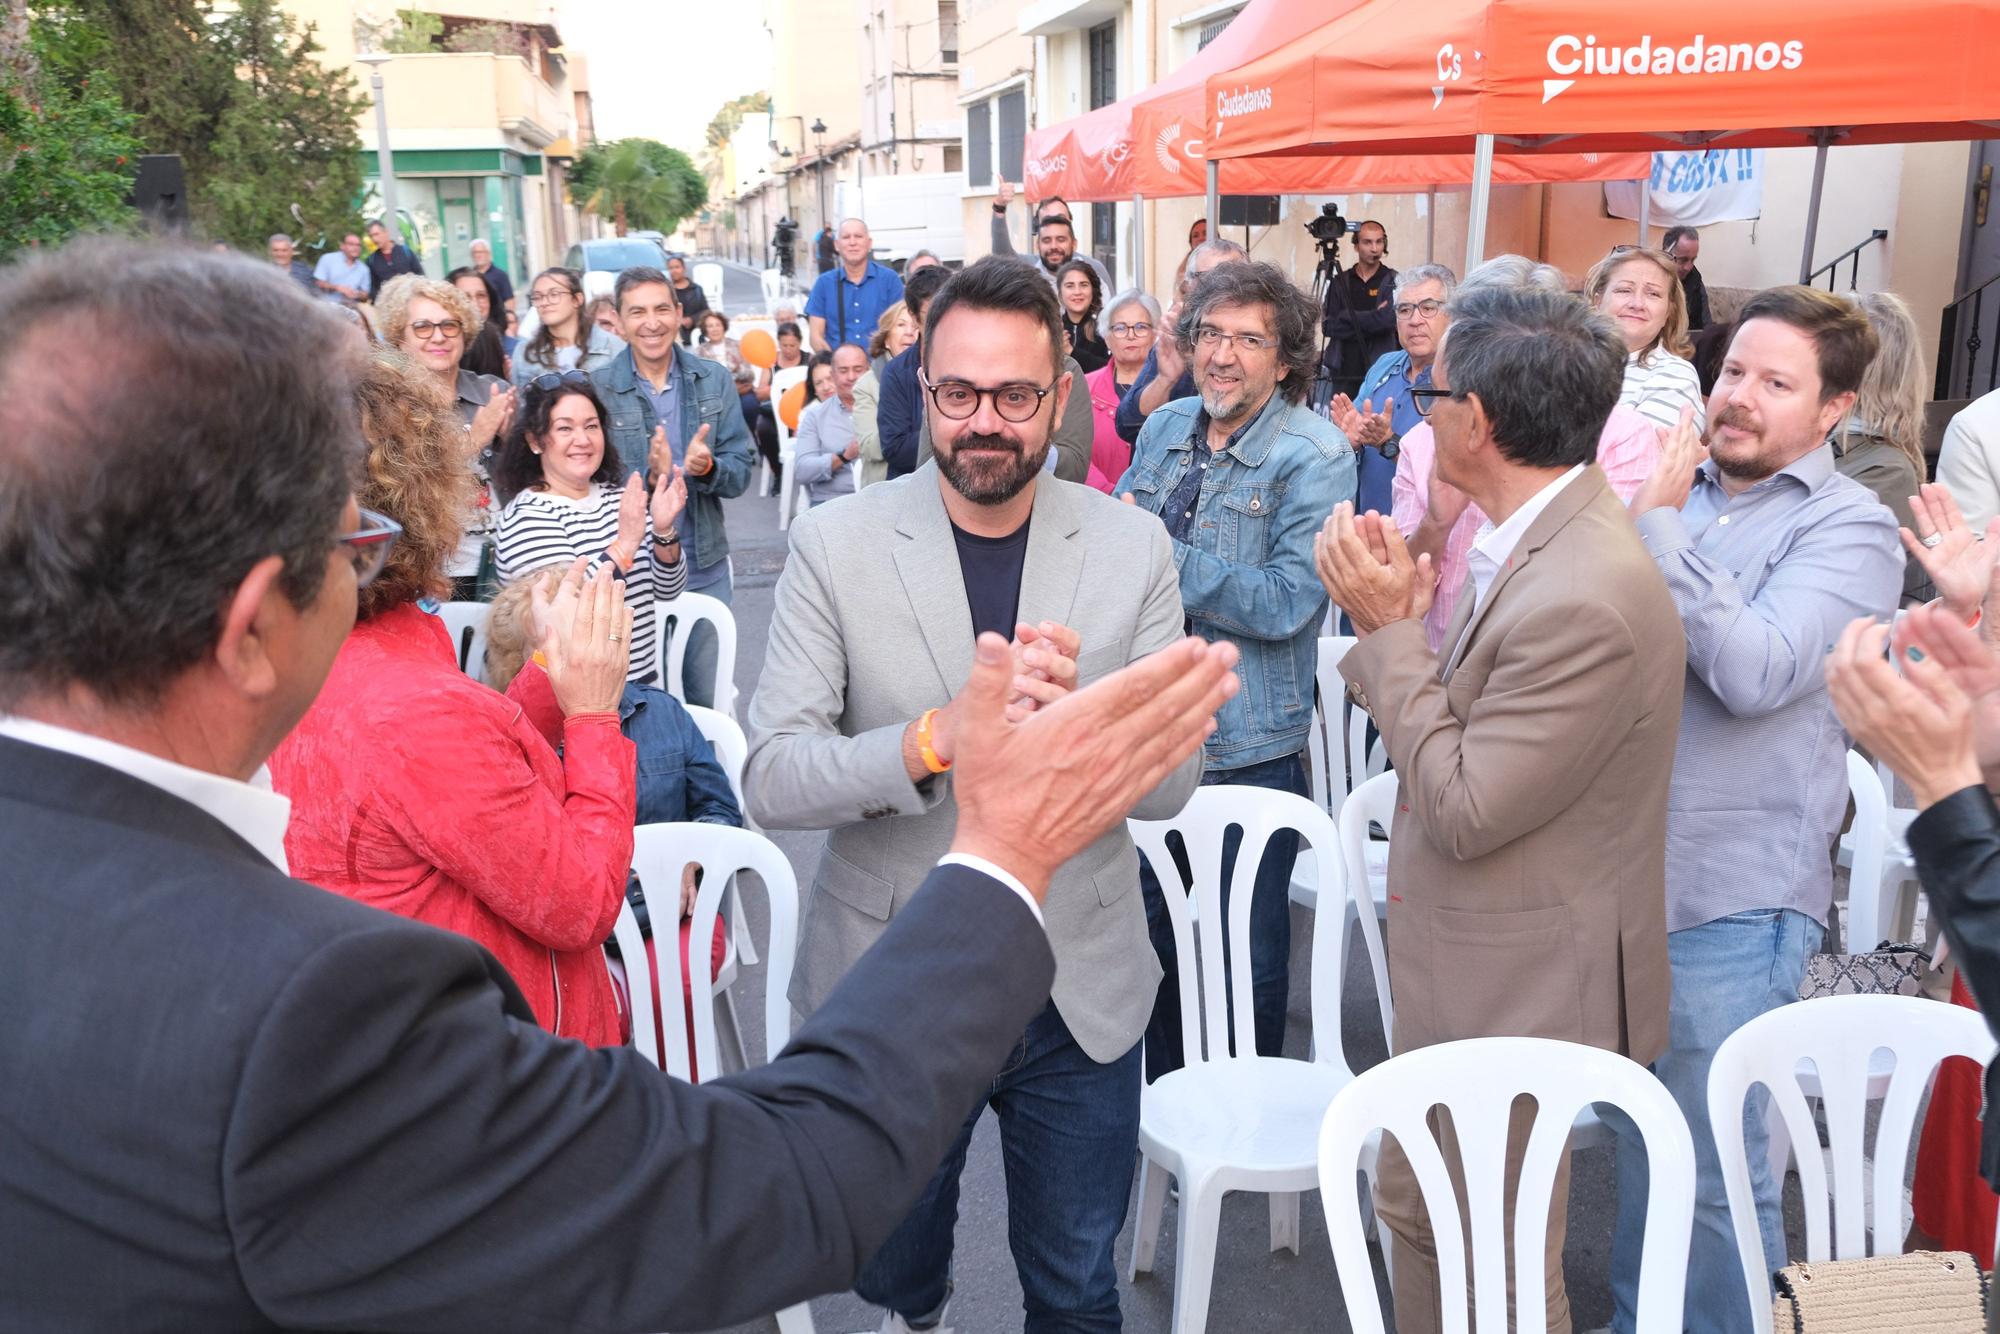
510 625
416 473
392 306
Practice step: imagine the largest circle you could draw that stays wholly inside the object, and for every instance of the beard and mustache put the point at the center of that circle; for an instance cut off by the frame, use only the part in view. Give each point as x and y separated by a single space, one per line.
990 469
1743 467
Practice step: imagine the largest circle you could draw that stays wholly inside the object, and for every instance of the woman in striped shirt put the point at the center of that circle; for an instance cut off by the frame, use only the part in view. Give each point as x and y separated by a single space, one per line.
1641 291
563 501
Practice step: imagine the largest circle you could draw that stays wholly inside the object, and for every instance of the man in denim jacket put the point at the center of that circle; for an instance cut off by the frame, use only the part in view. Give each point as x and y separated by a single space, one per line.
1242 475
657 396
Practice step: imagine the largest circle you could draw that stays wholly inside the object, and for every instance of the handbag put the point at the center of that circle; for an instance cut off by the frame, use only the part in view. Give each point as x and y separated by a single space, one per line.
1890 969
1925 1292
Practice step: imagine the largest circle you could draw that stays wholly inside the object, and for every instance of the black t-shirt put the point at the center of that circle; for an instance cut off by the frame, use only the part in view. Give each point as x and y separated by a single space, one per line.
381 267
991 568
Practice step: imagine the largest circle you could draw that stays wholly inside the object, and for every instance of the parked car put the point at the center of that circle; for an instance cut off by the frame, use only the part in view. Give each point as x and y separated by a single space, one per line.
602 260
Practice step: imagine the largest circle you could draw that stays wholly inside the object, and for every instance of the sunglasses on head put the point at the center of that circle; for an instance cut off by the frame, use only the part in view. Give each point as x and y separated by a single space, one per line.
553 380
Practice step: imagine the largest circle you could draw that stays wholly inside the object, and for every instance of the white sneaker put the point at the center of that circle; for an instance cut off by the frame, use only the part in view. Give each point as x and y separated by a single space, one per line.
895 1324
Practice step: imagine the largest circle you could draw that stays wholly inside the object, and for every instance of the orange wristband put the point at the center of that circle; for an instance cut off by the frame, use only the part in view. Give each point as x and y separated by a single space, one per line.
925 751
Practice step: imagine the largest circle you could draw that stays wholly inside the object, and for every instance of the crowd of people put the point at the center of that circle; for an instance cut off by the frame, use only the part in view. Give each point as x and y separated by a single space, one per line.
1616 571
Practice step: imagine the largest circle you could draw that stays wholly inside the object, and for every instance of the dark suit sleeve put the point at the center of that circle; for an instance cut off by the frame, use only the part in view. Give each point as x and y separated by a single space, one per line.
406 1151
896 416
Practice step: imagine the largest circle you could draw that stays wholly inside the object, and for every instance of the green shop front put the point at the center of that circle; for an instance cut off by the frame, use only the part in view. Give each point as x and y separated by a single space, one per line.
448 197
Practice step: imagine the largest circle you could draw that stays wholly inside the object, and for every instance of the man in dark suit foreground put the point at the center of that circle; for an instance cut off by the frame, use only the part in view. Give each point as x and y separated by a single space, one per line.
235 1101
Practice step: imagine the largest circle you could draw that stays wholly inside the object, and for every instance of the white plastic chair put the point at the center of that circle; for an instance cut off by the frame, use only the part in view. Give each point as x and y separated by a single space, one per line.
781 381
1840 1036
673 620
1477 1082
732 752
467 623
659 851
1340 760
708 275
1228 1122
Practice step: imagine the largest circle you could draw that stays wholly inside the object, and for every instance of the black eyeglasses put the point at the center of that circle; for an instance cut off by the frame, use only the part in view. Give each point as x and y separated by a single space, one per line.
369 545
958 400
548 381
1421 399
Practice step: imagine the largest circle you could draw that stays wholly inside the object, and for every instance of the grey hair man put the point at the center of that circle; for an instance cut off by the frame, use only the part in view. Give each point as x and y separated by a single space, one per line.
1515 826
1165 376
1242 474
496 278
1388 409
284 254
319 1085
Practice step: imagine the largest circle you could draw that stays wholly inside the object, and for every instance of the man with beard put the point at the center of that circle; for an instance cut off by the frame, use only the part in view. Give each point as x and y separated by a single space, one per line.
1241 476
854 728
1768 553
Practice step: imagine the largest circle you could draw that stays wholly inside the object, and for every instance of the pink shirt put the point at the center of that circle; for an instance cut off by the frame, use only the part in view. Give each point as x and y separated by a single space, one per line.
1625 451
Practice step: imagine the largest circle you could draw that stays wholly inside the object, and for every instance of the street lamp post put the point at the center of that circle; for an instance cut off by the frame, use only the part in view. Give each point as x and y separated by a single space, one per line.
819 152
384 168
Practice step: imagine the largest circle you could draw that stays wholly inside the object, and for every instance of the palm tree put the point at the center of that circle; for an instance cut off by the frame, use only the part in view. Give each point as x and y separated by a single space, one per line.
628 187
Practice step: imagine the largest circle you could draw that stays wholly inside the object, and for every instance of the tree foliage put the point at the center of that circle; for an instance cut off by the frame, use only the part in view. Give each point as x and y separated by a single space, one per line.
418 33
724 122
67 154
638 183
238 91
500 39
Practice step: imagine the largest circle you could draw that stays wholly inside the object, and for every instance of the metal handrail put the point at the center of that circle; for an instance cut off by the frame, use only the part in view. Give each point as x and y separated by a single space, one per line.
1852 252
1948 336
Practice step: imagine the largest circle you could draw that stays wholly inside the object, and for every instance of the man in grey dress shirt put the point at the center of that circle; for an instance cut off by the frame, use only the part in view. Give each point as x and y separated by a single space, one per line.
826 447
1768 553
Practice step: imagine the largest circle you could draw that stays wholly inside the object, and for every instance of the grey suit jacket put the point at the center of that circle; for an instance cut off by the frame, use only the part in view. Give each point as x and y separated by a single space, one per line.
871 629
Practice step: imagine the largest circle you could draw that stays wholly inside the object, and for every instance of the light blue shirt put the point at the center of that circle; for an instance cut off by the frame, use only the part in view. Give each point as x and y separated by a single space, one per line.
1765 581
338 269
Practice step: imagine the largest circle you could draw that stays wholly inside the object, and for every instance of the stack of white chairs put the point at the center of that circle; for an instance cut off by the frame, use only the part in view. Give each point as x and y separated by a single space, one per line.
1230 1119
467 623
781 381
673 620
1477 1082
659 852
1850 1195
1341 760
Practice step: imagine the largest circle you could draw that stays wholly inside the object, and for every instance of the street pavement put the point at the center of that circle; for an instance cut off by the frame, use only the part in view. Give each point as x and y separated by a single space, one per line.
1255 1291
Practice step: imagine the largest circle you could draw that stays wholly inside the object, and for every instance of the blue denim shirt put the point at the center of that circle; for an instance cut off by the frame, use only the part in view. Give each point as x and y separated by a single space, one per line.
1387 386
707 397
679 778
1247 571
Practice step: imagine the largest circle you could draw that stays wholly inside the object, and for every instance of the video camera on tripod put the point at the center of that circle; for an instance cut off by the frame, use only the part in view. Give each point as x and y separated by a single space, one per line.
1326 231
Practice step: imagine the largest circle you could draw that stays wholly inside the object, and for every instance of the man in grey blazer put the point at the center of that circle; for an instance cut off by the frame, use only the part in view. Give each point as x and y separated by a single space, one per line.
852 731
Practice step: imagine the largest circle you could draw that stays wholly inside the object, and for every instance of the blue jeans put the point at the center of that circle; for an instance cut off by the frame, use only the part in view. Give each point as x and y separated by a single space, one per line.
1725 973
698 668
1270 926
1069 1137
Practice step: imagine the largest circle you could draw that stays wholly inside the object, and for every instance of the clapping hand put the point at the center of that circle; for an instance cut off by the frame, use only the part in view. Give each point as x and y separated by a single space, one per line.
1958 559
1918 722
1368 572
1044 666
588 658
1362 425
631 522
1033 795
699 460
490 420
1667 486
670 495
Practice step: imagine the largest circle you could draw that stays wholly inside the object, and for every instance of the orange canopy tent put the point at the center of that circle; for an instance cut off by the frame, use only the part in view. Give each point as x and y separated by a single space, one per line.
1535 76
1150 145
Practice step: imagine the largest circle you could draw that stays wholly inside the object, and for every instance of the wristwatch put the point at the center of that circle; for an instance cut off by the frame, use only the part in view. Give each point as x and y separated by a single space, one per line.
1391 447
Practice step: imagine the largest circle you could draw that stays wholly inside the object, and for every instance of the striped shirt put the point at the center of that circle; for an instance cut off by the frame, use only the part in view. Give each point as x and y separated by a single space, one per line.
1660 386
1626 451
539 529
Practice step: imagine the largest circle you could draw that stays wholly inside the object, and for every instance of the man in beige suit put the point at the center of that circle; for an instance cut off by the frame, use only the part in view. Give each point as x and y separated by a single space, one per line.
1527 862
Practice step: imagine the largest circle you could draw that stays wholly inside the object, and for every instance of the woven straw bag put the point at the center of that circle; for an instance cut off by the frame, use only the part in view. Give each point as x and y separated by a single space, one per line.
1926 1292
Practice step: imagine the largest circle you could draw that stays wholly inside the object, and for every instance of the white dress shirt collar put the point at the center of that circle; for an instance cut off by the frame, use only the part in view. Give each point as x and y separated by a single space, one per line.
1494 546
252 811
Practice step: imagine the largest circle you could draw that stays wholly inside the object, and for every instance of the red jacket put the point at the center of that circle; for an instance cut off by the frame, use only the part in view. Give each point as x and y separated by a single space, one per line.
416 789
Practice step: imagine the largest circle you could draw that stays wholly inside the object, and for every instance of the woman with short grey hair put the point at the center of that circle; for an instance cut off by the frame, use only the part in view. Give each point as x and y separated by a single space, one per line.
1130 325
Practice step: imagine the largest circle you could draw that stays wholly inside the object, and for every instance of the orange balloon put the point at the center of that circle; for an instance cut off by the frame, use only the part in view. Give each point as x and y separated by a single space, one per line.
792 404
759 349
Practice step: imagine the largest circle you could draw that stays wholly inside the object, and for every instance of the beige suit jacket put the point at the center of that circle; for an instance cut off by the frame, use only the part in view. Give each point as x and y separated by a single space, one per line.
1527 866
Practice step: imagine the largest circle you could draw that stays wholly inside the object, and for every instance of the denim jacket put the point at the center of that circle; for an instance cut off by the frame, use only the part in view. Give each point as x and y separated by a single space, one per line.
1247 576
679 778
707 395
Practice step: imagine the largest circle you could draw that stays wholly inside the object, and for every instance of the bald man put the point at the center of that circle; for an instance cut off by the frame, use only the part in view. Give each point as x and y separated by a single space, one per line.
848 300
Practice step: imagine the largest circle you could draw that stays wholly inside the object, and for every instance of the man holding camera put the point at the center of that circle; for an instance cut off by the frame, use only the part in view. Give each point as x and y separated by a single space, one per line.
1360 323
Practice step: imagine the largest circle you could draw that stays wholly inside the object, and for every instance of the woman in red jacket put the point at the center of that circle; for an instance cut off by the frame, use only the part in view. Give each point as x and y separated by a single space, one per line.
419 790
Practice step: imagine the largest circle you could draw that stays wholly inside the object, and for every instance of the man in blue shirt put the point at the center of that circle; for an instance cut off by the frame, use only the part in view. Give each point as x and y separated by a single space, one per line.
340 275
1242 476
1387 409
847 301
